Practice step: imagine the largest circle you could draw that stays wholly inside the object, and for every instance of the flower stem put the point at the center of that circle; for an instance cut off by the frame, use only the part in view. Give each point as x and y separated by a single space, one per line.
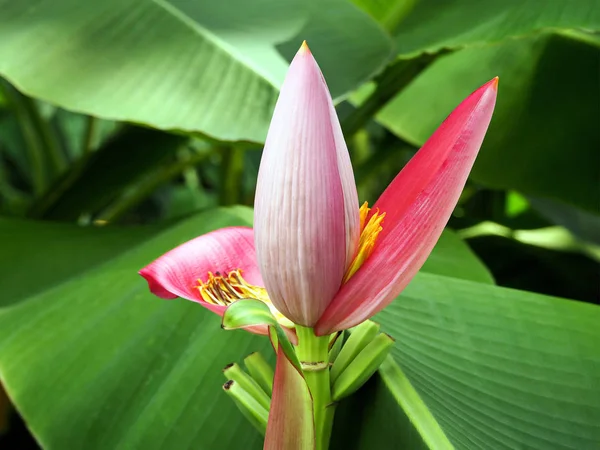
232 167
313 353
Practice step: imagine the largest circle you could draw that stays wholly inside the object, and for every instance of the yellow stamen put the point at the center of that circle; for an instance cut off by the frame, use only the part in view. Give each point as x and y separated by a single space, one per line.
223 290
368 235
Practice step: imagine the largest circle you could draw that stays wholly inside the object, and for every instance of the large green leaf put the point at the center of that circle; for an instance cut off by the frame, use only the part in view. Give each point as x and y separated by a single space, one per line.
544 136
91 344
434 25
583 224
105 174
388 409
389 13
36 256
500 368
211 67
451 257
520 259
372 419
98 362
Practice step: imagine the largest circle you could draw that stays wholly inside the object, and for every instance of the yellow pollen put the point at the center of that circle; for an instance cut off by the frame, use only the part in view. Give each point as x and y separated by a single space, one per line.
368 235
223 290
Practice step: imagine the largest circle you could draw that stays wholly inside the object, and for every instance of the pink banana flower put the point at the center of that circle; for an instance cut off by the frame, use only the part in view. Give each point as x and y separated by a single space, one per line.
315 257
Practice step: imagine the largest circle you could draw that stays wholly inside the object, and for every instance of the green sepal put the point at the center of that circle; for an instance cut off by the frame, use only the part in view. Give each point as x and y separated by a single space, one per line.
234 372
362 367
261 371
360 337
256 414
250 312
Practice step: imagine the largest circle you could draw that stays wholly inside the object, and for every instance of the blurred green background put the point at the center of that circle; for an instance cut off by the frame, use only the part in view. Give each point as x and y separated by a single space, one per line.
123 120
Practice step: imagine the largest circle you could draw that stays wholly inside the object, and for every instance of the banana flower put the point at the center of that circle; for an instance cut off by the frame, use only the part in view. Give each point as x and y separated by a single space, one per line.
315 257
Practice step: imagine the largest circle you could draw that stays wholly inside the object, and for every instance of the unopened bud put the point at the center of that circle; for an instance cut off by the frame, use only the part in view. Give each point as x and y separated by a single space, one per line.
362 367
359 338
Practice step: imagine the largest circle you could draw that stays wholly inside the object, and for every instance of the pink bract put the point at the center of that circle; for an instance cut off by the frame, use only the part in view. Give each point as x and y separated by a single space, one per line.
307 217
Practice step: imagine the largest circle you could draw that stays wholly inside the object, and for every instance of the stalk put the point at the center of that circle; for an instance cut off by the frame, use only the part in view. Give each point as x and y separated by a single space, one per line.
148 184
313 353
232 168
89 135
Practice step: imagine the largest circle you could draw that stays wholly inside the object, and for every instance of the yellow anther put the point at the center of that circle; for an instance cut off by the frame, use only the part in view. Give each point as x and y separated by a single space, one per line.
223 290
363 212
368 235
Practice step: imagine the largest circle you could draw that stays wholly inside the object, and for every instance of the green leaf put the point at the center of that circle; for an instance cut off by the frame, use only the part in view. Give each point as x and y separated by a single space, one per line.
82 134
14 145
38 256
452 257
521 259
88 341
499 368
435 25
412 404
583 224
543 139
208 67
105 174
36 140
389 13
128 369
372 419
387 409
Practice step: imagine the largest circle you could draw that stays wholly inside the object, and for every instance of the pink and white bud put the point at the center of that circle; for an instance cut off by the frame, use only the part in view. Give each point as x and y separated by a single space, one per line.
306 209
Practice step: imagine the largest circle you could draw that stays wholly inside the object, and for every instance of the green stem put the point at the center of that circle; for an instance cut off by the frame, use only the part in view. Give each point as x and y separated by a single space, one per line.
42 144
33 144
57 189
313 353
53 148
232 170
89 135
147 186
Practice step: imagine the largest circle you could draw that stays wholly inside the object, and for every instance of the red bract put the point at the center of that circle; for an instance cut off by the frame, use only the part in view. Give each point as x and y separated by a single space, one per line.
325 262
417 205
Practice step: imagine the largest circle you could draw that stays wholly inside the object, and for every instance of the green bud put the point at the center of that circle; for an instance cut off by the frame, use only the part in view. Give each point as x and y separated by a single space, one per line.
261 371
234 372
360 336
256 414
362 367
